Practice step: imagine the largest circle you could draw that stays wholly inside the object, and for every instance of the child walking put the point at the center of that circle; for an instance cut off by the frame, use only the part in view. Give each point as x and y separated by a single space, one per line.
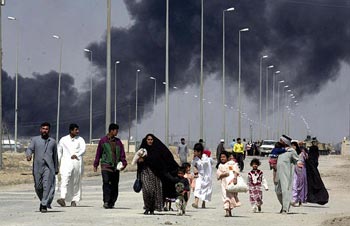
203 187
256 181
226 173
182 188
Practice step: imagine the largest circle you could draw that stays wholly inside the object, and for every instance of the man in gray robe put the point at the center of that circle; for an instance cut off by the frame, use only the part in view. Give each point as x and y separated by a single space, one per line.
182 151
284 176
45 165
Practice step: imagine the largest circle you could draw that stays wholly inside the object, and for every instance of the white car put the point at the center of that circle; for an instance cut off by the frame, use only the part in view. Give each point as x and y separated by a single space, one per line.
267 146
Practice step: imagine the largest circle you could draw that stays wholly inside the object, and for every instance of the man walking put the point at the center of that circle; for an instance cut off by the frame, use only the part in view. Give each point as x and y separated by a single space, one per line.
71 149
238 150
110 151
182 151
45 165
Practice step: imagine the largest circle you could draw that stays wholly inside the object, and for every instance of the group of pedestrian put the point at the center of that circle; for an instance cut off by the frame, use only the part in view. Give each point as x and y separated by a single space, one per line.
66 158
296 177
165 181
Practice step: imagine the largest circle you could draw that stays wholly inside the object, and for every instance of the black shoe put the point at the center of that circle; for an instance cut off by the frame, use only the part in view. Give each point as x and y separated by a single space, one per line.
73 204
146 212
43 209
105 205
151 212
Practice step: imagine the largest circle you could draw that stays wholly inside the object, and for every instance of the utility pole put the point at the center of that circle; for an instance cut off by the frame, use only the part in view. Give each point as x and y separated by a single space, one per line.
2 4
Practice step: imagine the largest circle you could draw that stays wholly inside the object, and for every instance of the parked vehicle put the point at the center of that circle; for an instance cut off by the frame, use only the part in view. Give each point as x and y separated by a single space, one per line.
266 147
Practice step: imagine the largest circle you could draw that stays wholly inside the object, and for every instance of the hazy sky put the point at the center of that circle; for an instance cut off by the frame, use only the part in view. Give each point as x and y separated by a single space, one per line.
80 23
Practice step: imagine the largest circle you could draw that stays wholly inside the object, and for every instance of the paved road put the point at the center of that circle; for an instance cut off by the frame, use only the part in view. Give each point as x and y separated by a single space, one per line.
19 206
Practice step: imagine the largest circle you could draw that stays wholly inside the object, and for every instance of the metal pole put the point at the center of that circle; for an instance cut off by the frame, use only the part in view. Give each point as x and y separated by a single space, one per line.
223 72
260 123
16 79
278 109
239 81
167 75
108 65
239 84
115 91
154 100
90 126
90 110
59 88
201 77
137 87
223 75
267 103
0 88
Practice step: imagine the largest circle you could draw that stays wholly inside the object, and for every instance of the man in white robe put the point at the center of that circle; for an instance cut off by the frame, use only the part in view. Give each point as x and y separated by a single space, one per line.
284 176
203 188
71 149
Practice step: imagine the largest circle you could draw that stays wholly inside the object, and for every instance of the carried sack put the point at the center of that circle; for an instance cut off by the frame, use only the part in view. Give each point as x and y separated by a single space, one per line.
137 184
241 186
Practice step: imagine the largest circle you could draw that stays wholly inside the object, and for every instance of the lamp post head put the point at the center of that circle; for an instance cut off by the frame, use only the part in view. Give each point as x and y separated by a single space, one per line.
271 66
175 87
153 78
277 72
265 56
244 29
229 9
286 86
138 70
282 81
87 50
289 90
11 18
117 62
56 36
186 92
164 83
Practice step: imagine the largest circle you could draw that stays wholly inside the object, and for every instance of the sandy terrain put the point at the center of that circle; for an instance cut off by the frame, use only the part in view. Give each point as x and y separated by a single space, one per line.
19 203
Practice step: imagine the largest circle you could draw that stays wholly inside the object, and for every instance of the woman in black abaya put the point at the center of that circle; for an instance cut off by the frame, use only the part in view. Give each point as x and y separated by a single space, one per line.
158 169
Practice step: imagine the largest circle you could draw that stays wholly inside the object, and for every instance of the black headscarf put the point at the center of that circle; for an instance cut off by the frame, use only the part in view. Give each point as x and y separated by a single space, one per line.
159 158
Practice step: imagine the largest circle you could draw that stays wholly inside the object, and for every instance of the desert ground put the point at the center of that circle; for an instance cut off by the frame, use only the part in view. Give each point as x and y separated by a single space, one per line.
19 204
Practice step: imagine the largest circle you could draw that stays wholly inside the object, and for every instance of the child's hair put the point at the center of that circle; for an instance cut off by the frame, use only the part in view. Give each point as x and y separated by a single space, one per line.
224 153
181 169
198 147
256 161
186 165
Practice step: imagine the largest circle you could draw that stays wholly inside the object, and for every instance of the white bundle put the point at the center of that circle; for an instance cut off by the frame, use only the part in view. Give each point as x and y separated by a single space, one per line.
142 152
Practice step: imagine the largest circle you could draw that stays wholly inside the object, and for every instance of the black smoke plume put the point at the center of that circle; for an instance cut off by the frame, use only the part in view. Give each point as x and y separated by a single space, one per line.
307 41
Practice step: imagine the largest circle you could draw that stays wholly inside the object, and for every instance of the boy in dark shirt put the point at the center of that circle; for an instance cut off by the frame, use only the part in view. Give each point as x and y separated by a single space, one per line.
182 187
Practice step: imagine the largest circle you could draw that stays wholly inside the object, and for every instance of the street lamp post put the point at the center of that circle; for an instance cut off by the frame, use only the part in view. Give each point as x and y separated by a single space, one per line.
1 163
201 96
137 87
223 71
108 67
154 99
260 123
115 90
16 79
273 101
167 74
239 80
59 88
90 115
267 99
278 107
